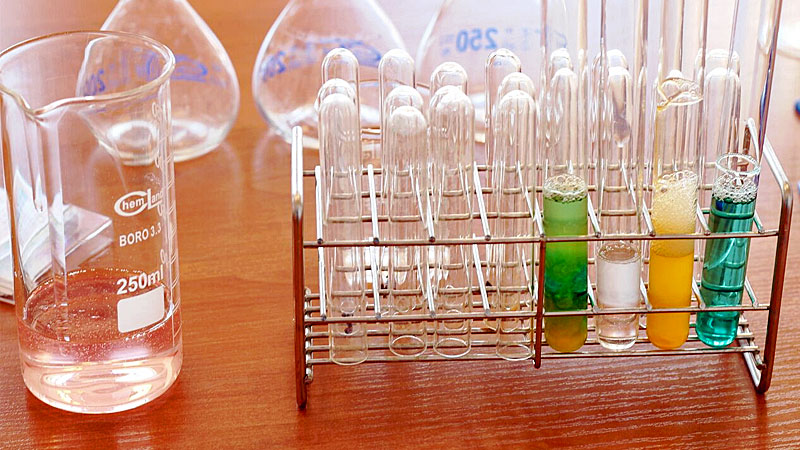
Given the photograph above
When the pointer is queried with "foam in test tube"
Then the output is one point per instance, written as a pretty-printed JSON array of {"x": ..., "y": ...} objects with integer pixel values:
[
  {"x": 340, "y": 161},
  {"x": 452, "y": 121},
  {"x": 515, "y": 135}
]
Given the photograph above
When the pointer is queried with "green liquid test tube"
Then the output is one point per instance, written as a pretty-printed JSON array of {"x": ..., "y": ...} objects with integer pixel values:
[{"x": 565, "y": 273}]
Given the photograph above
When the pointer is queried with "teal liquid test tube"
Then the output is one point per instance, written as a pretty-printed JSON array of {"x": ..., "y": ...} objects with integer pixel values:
[{"x": 733, "y": 205}]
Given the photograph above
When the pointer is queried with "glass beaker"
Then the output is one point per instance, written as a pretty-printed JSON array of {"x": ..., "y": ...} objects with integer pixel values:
[
  {"x": 85, "y": 122},
  {"x": 205, "y": 91},
  {"x": 286, "y": 74}
]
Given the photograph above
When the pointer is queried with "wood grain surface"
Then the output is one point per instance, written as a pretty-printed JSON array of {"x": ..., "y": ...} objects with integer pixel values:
[{"x": 237, "y": 385}]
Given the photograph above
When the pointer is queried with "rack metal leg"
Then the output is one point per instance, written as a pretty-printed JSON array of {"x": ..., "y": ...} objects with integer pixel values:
[
  {"x": 779, "y": 272},
  {"x": 298, "y": 282}
]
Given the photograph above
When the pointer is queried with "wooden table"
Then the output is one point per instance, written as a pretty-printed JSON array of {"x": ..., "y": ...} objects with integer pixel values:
[{"x": 237, "y": 384}]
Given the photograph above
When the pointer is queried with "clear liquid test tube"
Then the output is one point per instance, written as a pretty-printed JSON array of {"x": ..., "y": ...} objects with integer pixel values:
[
  {"x": 340, "y": 161},
  {"x": 621, "y": 98},
  {"x": 452, "y": 117},
  {"x": 406, "y": 153},
  {"x": 515, "y": 136},
  {"x": 565, "y": 190},
  {"x": 675, "y": 167}
]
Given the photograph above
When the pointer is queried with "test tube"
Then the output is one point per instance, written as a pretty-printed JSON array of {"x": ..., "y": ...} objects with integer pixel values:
[
  {"x": 621, "y": 98},
  {"x": 406, "y": 154},
  {"x": 500, "y": 63},
  {"x": 565, "y": 191},
  {"x": 395, "y": 69},
  {"x": 333, "y": 86},
  {"x": 452, "y": 121},
  {"x": 448, "y": 74},
  {"x": 399, "y": 96},
  {"x": 342, "y": 63},
  {"x": 340, "y": 161},
  {"x": 722, "y": 90},
  {"x": 518, "y": 81},
  {"x": 675, "y": 167},
  {"x": 515, "y": 137},
  {"x": 733, "y": 204}
]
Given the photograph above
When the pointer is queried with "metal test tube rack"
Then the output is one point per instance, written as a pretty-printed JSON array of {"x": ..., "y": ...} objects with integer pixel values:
[{"x": 311, "y": 321}]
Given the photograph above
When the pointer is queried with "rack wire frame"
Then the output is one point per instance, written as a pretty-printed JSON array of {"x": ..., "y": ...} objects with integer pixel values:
[{"x": 311, "y": 319}]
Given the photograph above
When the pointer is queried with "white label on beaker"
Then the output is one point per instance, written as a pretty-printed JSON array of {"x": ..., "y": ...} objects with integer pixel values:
[{"x": 141, "y": 310}]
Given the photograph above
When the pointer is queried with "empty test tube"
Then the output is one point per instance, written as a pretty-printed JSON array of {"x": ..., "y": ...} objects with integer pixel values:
[
  {"x": 448, "y": 74},
  {"x": 334, "y": 86},
  {"x": 395, "y": 69},
  {"x": 500, "y": 63},
  {"x": 340, "y": 161},
  {"x": 343, "y": 64},
  {"x": 406, "y": 155},
  {"x": 452, "y": 118},
  {"x": 398, "y": 97},
  {"x": 515, "y": 135},
  {"x": 518, "y": 81}
]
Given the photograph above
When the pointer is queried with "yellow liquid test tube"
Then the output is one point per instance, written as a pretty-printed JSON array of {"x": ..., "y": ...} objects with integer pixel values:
[{"x": 672, "y": 261}]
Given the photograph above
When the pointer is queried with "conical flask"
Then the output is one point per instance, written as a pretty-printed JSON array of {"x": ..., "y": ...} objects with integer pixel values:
[
  {"x": 466, "y": 31},
  {"x": 287, "y": 74},
  {"x": 205, "y": 91}
]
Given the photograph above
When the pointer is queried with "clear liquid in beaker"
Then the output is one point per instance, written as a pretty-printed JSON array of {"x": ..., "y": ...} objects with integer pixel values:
[{"x": 74, "y": 354}]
